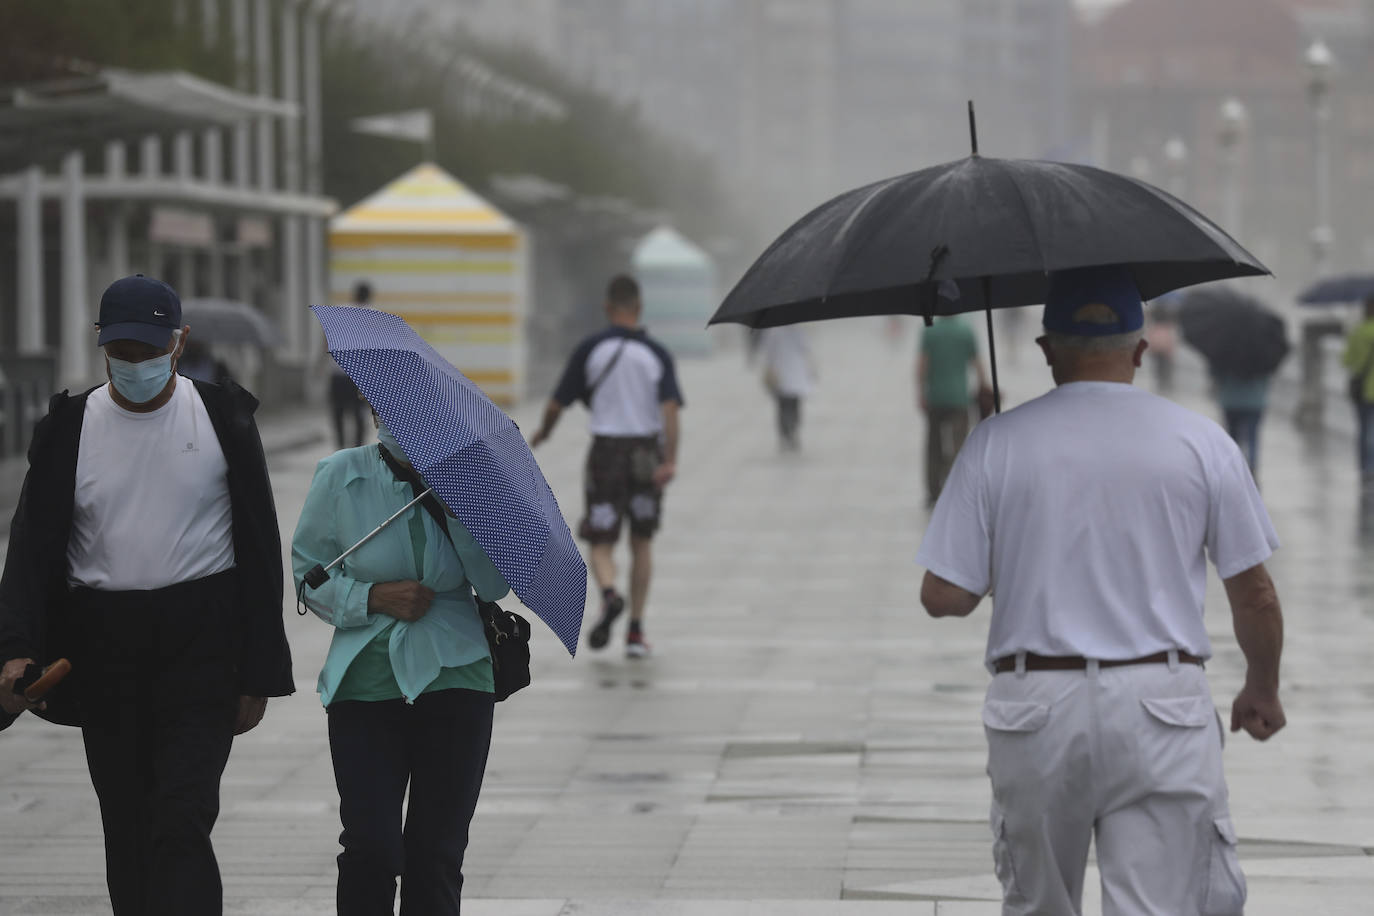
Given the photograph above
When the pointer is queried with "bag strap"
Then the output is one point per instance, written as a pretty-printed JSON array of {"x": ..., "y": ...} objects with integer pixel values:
[
  {"x": 601, "y": 377},
  {"x": 407, "y": 474}
]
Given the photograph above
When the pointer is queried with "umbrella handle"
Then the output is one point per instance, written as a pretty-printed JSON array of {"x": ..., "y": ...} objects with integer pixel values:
[{"x": 319, "y": 575}]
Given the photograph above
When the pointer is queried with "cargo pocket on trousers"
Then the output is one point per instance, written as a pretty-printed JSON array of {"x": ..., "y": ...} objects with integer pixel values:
[
  {"x": 1015, "y": 716},
  {"x": 1183, "y": 712},
  {"x": 1225, "y": 883},
  {"x": 1001, "y": 855}
]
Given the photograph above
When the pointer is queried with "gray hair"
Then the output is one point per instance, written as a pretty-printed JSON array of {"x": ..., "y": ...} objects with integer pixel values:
[{"x": 1073, "y": 344}]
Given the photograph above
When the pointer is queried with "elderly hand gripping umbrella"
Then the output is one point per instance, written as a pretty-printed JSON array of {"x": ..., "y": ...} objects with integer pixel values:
[
  {"x": 471, "y": 455},
  {"x": 973, "y": 234}
]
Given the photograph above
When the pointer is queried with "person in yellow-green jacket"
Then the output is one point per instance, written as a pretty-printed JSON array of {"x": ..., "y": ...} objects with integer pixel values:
[
  {"x": 1359, "y": 360},
  {"x": 407, "y": 684}
]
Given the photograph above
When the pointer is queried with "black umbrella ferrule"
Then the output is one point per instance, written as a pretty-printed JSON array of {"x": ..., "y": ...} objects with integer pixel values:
[{"x": 972, "y": 128}]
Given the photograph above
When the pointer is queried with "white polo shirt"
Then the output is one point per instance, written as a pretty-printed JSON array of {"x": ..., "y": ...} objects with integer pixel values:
[
  {"x": 152, "y": 496},
  {"x": 1089, "y": 514}
]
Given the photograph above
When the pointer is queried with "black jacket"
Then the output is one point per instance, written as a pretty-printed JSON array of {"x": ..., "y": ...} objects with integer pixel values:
[{"x": 34, "y": 619}]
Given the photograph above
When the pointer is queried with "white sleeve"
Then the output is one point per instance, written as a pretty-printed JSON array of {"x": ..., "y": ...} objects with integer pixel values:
[
  {"x": 1239, "y": 532},
  {"x": 957, "y": 546}
]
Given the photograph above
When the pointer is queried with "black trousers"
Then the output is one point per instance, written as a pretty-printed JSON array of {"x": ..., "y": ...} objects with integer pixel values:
[
  {"x": 344, "y": 404},
  {"x": 789, "y": 417},
  {"x": 438, "y": 747},
  {"x": 155, "y": 676}
]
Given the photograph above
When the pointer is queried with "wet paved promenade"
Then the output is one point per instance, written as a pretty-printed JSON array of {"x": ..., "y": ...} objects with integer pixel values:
[{"x": 805, "y": 740}]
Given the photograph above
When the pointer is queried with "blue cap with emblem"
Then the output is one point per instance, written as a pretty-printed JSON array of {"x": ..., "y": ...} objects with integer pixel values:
[
  {"x": 139, "y": 308},
  {"x": 1093, "y": 302}
]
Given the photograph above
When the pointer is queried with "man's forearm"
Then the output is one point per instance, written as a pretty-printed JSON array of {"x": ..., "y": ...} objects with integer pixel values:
[
  {"x": 1258, "y": 622},
  {"x": 552, "y": 411},
  {"x": 1259, "y": 631},
  {"x": 670, "y": 436}
]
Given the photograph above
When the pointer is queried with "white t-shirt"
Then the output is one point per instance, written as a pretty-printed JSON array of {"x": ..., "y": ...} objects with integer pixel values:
[
  {"x": 787, "y": 355},
  {"x": 1089, "y": 513},
  {"x": 152, "y": 496},
  {"x": 624, "y": 392}
]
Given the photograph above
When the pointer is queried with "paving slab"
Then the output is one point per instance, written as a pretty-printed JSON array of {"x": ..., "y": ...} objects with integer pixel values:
[{"x": 805, "y": 741}]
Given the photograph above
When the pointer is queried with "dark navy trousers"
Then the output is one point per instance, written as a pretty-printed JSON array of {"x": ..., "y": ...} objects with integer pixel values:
[{"x": 437, "y": 748}]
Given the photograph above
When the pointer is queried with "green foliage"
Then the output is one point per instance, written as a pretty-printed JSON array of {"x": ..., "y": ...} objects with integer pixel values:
[
  {"x": 601, "y": 148},
  {"x": 45, "y": 39}
]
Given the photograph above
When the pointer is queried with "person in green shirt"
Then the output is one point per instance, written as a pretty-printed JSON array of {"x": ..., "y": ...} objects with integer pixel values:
[
  {"x": 1359, "y": 359},
  {"x": 407, "y": 684},
  {"x": 948, "y": 350}
]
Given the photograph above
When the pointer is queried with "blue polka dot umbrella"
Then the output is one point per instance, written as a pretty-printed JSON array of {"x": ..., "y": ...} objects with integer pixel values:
[{"x": 471, "y": 453}]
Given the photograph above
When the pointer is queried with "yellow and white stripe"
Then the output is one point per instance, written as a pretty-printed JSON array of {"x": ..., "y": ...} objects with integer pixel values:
[{"x": 450, "y": 264}]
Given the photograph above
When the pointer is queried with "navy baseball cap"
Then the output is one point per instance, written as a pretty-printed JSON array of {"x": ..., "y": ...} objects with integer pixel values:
[
  {"x": 1093, "y": 302},
  {"x": 139, "y": 308}
]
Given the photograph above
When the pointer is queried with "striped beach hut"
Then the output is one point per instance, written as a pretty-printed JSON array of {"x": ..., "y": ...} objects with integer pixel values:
[{"x": 449, "y": 263}]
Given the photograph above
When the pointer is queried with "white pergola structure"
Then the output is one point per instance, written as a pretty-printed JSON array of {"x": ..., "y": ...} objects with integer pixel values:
[{"x": 223, "y": 196}]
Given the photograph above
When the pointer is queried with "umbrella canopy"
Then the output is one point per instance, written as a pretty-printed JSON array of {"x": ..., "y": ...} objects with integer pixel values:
[
  {"x": 471, "y": 453},
  {"x": 1336, "y": 290},
  {"x": 978, "y": 233},
  {"x": 228, "y": 322},
  {"x": 1234, "y": 331}
]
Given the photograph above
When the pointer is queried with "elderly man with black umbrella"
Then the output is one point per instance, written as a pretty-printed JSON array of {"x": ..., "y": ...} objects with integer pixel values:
[
  {"x": 1090, "y": 513},
  {"x": 145, "y": 548}
]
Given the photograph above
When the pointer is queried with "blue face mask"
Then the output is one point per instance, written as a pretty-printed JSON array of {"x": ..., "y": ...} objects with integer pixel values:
[
  {"x": 140, "y": 382},
  {"x": 389, "y": 443}
]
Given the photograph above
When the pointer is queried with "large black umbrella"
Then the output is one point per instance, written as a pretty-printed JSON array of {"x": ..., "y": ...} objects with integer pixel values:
[
  {"x": 1339, "y": 289},
  {"x": 974, "y": 234},
  {"x": 1234, "y": 331}
]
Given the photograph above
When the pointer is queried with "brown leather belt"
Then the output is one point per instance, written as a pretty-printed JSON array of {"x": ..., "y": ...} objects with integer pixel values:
[{"x": 1078, "y": 663}]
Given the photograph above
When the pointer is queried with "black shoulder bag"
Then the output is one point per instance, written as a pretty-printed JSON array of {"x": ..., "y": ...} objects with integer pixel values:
[{"x": 508, "y": 634}]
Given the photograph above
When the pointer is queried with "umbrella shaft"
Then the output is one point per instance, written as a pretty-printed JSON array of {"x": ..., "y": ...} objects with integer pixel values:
[{"x": 378, "y": 530}]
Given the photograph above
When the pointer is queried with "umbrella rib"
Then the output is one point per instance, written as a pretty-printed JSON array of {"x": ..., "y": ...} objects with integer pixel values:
[{"x": 1030, "y": 221}]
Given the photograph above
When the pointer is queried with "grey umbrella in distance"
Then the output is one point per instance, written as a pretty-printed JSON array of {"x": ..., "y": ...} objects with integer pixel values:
[{"x": 226, "y": 321}]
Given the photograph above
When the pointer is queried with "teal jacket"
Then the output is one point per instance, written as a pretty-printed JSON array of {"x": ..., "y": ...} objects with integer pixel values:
[{"x": 353, "y": 492}]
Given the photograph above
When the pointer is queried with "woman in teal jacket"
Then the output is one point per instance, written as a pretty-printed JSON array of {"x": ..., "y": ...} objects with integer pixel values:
[{"x": 407, "y": 684}]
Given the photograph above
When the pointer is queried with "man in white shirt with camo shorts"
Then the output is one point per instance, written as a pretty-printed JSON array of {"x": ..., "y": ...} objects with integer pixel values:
[
  {"x": 1089, "y": 514},
  {"x": 628, "y": 382}
]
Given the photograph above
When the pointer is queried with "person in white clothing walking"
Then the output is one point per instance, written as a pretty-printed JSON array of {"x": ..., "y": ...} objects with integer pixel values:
[
  {"x": 1089, "y": 514},
  {"x": 789, "y": 374}
]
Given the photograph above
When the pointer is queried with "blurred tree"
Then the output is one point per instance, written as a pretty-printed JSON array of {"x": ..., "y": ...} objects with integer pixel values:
[
  {"x": 597, "y": 148},
  {"x": 44, "y": 39}
]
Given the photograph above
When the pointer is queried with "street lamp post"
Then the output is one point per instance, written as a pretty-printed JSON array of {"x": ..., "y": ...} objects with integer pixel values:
[
  {"x": 1319, "y": 62},
  {"x": 1234, "y": 121},
  {"x": 1176, "y": 155}
]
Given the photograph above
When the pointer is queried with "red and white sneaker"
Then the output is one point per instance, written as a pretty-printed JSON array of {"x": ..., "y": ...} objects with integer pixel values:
[{"x": 636, "y": 646}]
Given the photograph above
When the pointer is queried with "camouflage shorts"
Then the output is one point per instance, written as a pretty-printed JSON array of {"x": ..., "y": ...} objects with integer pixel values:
[{"x": 618, "y": 482}]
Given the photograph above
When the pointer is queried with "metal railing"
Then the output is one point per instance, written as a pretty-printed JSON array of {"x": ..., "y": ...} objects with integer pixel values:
[{"x": 26, "y": 384}]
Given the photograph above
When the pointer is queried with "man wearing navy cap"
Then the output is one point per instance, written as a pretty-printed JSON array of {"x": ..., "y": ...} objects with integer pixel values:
[
  {"x": 1089, "y": 514},
  {"x": 145, "y": 549}
]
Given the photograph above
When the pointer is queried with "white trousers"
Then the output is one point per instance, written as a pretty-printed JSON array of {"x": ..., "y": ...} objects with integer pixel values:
[{"x": 1130, "y": 754}]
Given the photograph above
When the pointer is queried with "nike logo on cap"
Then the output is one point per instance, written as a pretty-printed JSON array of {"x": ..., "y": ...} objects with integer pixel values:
[{"x": 158, "y": 314}]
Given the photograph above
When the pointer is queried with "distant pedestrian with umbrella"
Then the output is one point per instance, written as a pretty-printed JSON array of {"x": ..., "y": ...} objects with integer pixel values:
[
  {"x": 413, "y": 671},
  {"x": 1089, "y": 514},
  {"x": 1359, "y": 361},
  {"x": 629, "y": 383},
  {"x": 1244, "y": 345}
]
